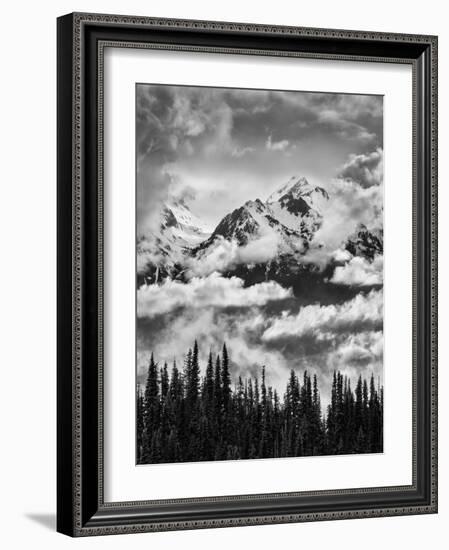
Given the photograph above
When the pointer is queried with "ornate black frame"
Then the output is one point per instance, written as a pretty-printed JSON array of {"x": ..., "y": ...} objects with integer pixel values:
[{"x": 81, "y": 509}]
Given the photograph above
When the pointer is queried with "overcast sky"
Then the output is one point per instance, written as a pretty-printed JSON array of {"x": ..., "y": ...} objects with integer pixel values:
[{"x": 222, "y": 146}]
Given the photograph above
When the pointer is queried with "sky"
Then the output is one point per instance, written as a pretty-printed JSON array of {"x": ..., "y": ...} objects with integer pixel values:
[
  {"x": 220, "y": 147},
  {"x": 217, "y": 148}
]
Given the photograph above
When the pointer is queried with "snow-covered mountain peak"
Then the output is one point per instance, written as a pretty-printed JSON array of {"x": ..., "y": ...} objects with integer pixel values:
[
  {"x": 298, "y": 188},
  {"x": 294, "y": 185},
  {"x": 179, "y": 212},
  {"x": 179, "y": 232},
  {"x": 242, "y": 223},
  {"x": 255, "y": 207}
]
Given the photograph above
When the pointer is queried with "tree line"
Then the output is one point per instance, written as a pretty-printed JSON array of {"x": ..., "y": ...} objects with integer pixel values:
[{"x": 186, "y": 417}]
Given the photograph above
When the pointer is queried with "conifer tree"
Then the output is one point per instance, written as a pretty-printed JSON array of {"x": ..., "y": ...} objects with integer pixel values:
[
  {"x": 209, "y": 388},
  {"x": 175, "y": 386},
  {"x": 193, "y": 377},
  {"x": 140, "y": 426},
  {"x": 151, "y": 411},
  {"x": 164, "y": 383},
  {"x": 225, "y": 379},
  {"x": 218, "y": 392}
]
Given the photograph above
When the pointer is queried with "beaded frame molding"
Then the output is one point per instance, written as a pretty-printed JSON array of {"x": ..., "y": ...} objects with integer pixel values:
[{"x": 81, "y": 510}]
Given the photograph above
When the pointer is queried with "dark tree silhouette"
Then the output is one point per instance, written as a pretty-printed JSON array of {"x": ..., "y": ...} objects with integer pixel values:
[
  {"x": 181, "y": 416},
  {"x": 151, "y": 410},
  {"x": 140, "y": 425}
]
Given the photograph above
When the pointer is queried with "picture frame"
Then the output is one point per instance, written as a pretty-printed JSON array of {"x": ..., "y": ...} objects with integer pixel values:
[{"x": 81, "y": 506}]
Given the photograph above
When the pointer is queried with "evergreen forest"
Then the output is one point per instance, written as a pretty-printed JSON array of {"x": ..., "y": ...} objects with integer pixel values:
[{"x": 183, "y": 416}]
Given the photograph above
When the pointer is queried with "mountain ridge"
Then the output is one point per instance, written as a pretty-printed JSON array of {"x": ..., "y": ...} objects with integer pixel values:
[{"x": 288, "y": 220}]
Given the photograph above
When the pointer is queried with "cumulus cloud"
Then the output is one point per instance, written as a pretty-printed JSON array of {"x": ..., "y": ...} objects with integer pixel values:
[
  {"x": 350, "y": 207},
  {"x": 356, "y": 200},
  {"x": 223, "y": 255},
  {"x": 354, "y": 355},
  {"x": 362, "y": 312},
  {"x": 358, "y": 349},
  {"x": 359, "y": 272},
  {"x": 342, "y": 255},
  {"x": 210, "y": 291},
  {"x": 365, "y": 169}
]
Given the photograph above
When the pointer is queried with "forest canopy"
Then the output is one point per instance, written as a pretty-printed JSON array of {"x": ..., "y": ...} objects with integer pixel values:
[{"x": 183, "y": 416}]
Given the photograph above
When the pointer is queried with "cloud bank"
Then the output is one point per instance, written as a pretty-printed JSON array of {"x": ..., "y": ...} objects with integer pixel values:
[
  {"x": 324, "y": 322},
  {"x": 211, "y": 291},
  {"x": 320, "y": 338}
]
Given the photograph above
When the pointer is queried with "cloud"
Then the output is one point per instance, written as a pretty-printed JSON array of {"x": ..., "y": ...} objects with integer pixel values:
[
  {"x": 211, "y": 327},
  {"x": 362, "y": 312},
  {"x": 365, "y": 169},
  {"x": 354, "y": 355},
  {"x": 276, "y": 145},
  {"x": 356, "y": 200},
  {"x": 345, "y": 128},
  {"x": 239, "y": 152},
  {"x": 342, "y": 255},
  {"x": 189, "y": 121},
  {"x": 211, "y": 291},
  {"x": 358, "y": 349},
  {"x": 223, "y": 255},
  {"x": 355, "y": 119},
  {"x": 350, "y": 206},
  {"x": 359, "y": 272},
  {"x": 174, "y": 126}
]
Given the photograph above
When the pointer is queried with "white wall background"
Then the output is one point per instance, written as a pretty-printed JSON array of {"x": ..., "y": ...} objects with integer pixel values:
[{"x": 27, "y": 289}]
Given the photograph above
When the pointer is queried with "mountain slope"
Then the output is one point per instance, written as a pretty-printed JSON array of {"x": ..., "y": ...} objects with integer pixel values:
[
  {"x": 291, "y": 215},
  {"x": 366, "y": 243},
  {"x": 160, "y": 254}
]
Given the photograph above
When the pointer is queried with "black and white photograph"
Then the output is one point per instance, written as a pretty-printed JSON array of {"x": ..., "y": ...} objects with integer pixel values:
[
  {"x": 237, "y": 343},
  {"x": 259, "y": 273}
]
